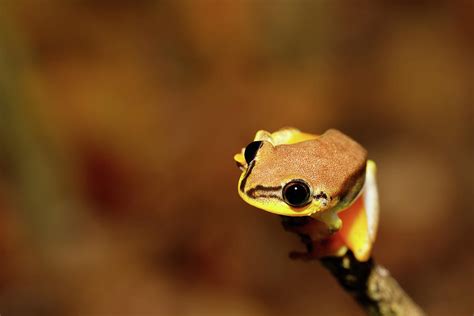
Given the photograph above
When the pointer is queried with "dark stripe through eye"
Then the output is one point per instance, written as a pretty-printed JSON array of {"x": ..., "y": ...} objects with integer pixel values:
[{"x": 262, "y": 191}]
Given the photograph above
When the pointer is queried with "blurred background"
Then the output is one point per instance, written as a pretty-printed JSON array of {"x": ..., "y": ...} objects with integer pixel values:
[{"x": 119, "y": 121}]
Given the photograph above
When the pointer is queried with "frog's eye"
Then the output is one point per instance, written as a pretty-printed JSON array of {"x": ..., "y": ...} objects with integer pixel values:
[
  {"x": 251, "y": 150},
  {"x": 296, "y": 193}
]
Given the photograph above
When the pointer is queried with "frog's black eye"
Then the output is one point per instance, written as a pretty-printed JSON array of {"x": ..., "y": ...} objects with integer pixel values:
[
  {"x": 251, "y": 150},
  {"x": 296, "y": 193}
]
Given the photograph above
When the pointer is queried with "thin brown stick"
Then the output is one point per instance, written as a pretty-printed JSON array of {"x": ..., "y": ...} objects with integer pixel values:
[{"x": 370, "y": 284}]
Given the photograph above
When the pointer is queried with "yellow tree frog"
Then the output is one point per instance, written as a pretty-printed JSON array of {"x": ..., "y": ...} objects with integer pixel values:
[{"x": 323, "y": 177}]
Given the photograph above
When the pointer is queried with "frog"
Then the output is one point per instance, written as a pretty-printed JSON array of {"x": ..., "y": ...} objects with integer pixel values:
[{"x": 324, "y": 182}]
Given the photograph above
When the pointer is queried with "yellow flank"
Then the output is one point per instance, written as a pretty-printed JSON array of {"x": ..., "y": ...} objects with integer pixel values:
[
  {"x": 371, "y": 201},
  {"x": 358, "y": 237}
]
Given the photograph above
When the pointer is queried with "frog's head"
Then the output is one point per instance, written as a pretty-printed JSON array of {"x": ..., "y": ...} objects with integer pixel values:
[{"x": 297, "y": 174}]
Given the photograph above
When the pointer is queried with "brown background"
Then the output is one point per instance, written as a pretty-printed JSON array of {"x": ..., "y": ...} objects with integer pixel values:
[{"x": 119, "y": 120}]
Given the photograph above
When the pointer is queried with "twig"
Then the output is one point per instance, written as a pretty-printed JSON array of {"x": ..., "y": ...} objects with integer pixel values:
[{"x": 370, "y": 284}]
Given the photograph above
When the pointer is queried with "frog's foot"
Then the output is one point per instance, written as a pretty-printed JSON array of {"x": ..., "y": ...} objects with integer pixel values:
[
  {"x": 322, "y": 249},
  {"x": 306, "y": 225},
  {"x": 319, "y": 240}
]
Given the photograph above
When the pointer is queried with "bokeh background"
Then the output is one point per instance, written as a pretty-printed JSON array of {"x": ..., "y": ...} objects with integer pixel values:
[{"x": 119, "y": 121}]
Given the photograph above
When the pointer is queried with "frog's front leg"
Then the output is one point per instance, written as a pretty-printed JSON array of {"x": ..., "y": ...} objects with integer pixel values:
[{"x": 319, "y": 239}]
